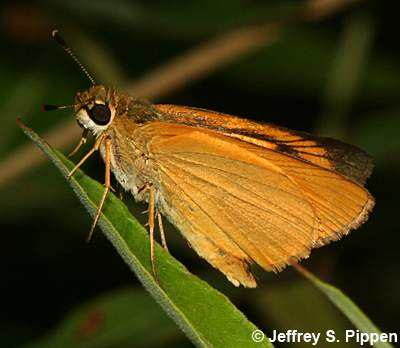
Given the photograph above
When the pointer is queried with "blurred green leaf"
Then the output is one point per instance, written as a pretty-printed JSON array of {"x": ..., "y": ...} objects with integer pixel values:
[
  {"x": 28, "y": 89},
  {"x": 379, "y": 135},
  {"x": 345, "y": 305},
  {"x": 113, "y": 320},
  {"x": 302, "y": 297},
  {"x": 351, "y": 57},
  {"x": 206, "y": 316}
]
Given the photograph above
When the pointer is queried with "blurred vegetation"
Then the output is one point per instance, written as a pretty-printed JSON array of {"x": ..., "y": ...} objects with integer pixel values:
[{"x": 338, "y": 76}]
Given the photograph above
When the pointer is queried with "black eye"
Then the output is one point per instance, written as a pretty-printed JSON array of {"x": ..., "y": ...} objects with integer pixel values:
[{"x": 100, "y": 114}]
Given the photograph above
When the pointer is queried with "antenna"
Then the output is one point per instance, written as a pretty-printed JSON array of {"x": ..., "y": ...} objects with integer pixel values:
[
  {"x": 50, "y": 107},
  {"x": 56, "y": 36}
]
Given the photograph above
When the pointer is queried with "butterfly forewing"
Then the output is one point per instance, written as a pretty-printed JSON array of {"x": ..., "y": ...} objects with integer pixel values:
[{"x": 327, "y": 153}]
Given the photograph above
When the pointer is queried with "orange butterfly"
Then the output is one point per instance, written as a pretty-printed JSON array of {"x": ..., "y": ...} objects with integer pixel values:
[{"x": 239, "y": 191}]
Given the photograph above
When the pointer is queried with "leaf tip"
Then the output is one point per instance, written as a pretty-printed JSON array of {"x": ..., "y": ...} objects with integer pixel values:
[
  {"x": 19, "y": 122},
  {"x": 22, "y": 125}
]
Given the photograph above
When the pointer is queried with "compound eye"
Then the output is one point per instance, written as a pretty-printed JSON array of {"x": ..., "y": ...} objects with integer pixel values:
[{"x": 100, "y": 114}]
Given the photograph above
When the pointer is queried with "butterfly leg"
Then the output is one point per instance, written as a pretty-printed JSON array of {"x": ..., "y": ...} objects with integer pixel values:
[
  {"x": 95, "y": 148},
  {"x": 161, "y": 227},
  {"x": 82, "y": 141},
  {"x": 150, "y": 222},
  {"x": 107, "y": 185},
  {"x": 151, "y": 229}
]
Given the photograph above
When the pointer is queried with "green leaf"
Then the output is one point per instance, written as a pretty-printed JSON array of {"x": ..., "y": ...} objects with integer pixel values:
[
  {"x": 382, "y": 145},
  {"x": 301, "y": 296},
  {"x": 345, "y": 305},
  {"x": 205, "y": 315},
  {"x": 113, "y": 320}
]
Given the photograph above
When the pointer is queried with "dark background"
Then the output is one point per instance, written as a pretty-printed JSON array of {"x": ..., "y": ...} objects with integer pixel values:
[{"x": 337, "y": 76}]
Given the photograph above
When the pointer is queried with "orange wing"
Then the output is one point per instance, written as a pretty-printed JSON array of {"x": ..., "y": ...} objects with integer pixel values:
[{"x": 236, "y": 203}]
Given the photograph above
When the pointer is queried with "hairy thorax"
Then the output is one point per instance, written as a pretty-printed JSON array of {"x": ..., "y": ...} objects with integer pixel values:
[{"x": 130, "y": 159}]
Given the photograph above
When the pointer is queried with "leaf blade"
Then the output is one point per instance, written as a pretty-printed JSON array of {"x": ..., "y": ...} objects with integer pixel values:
[{"x": 345, "y": 305}]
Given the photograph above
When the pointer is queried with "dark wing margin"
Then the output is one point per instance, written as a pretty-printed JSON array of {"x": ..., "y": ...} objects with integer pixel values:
[{"x": 346, "y": 159}]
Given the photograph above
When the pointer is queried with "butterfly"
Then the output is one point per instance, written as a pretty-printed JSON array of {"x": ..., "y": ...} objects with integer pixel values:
[{"x": 239, "y": 191}]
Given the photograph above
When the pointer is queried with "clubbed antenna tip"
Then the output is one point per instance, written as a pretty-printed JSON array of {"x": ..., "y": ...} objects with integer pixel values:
[{"x": 57, "y": 37}]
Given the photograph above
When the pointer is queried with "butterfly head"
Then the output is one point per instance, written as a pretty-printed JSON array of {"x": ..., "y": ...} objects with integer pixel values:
[{"x": 95, "y": 108}]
